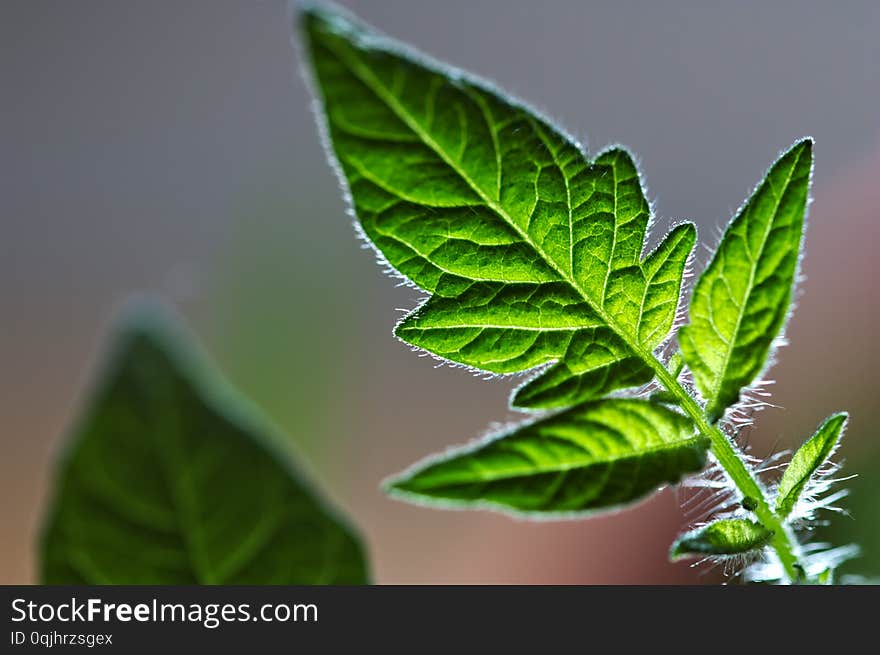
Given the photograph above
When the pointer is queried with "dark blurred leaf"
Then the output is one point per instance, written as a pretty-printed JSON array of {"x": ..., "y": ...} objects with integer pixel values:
[{"x": 170, "y": 479}]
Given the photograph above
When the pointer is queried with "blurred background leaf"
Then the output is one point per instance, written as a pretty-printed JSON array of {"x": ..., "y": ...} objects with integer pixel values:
[{"x": 170, "y": 477}]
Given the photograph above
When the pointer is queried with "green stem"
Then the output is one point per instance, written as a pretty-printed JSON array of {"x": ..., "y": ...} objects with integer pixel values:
[{"x": 731, "y": 460}]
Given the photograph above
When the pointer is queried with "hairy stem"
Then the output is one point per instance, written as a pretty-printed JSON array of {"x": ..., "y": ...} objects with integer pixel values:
[{"x": 731, "y": 460}]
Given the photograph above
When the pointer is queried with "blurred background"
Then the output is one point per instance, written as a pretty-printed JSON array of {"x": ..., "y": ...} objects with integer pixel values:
[{"x": 169, "y": 147}]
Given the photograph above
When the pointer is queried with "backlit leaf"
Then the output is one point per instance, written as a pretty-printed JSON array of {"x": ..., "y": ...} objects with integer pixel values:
[
  {"x": 807, "y": 460},
  {"x": 534, "y": 258},
  {"x": 597, "y": 455},
  {"x": 741, "y": 301},
  {"x": 532, "y": 252}
]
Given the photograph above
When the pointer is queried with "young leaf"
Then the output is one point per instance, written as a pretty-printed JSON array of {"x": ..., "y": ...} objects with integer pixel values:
[
  {"x": 597, "y": 455},
  {"x": 532, "y": 253},
  {"x": 806, "y": 462},
  {"x": 169, "y": 479},
  {"x": 723, "y": 537},
  {"x": 741, "y": 300}
]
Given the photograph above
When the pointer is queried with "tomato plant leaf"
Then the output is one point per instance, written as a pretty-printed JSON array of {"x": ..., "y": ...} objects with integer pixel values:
[
  {"x": 722, "y": 537},
  {"x": 807, "y": 461},
  {"x": 532, "y": 254},
  {"x": 170, "y": 479},
  {"x": 534, "y": 259},
  {"x": 531, "y": 251},
  {"x": 741, "y": 301},
  {"x": 596, "y": 455}
]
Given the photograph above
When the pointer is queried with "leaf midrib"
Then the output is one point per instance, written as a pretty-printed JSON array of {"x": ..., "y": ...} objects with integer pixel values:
[
  {"x": 181, "y": 493},
  {"x": 649, "y": 280},
  {"x": 492, "y": 326},
  {"x": 383, "y": 94},
  {"x": 508, "y": 474},
  {"x": 716, "y": 388},
  {"x": 613, "y": 240}
]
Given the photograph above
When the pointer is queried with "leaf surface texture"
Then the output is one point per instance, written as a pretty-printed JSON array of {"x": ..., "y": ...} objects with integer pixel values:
[
  {"x": 532, "y": 252},
  {"x": 742, "y": 299},
  {"x": 722, "y": 537},
  {"x": 807, "y": 461},
  {"x": 597, "y": 455}
]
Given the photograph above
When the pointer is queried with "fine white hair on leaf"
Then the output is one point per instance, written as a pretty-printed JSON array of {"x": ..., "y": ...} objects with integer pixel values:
[
  {"x": 767, "y": 568},
  {"x": 680, "y": 316},
  {"x": 817, "y": 495},
  {"x": 734, "y": 565},
  {"x": 712, "y": 492},
  {"x": 773, "y": 462}
]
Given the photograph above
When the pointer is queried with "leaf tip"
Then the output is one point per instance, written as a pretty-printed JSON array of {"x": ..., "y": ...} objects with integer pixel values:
[
  {"x": 842, "y": 416},
  {"x": 803, "y": 147},
  {"x": 312, "y": 12},
  {"x": 146, "y": 320},
  {"x": 393, "y": 484},
  {"x": 322, "y": 17},
  {"x": 689, "y": 228},
  {"x": 837, "y": 424},
  {"x": 404, "y": 486},
  {"x": 806, "y": 142},
  {"x": 687, "y": 232},
  {"x": 526, "y": 396},
  {"x": 677, "y": 551}
]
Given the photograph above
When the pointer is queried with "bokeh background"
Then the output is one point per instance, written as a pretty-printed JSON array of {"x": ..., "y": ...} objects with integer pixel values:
[{"x": 169, "y": 146}]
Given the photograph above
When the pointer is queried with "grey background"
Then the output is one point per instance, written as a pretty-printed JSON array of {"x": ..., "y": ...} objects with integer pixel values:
[{"x": 169, "y": 146}]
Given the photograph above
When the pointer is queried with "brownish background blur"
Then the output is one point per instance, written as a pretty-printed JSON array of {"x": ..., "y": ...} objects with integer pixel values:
[{"x": 168, "y": 146}]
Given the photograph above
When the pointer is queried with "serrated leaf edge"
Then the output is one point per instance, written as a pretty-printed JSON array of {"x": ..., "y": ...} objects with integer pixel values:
[
  {"x": 748, "y": 392},
  {"x": 454, "y": 451}
]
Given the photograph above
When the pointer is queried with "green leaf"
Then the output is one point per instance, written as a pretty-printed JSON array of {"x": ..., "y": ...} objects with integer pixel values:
[
  {"x": 170, "y": 479},
  {"x": 807, "y": 460},
  {"x": 597, "y": 455},
  {"x": 741, "y": 301},
  {"x": 533, "y": 256},
  {"x": 723, "y": 537},
  {"x": 532, "y": 252}
]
